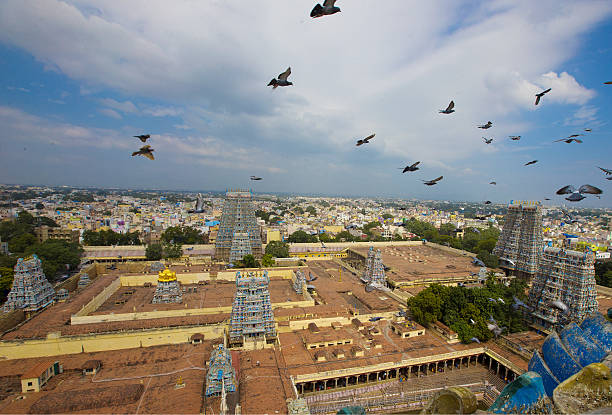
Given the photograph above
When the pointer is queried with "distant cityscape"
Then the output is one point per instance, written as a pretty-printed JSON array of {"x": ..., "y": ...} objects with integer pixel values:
[{"x": 159, "y": 301}]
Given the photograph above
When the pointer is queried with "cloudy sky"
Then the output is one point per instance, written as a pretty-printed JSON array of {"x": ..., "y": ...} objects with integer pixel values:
[{"x": 79, "y": 78}]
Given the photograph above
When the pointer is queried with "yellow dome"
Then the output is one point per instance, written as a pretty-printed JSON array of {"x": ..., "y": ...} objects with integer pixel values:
[{"x": 166, "y": 275}]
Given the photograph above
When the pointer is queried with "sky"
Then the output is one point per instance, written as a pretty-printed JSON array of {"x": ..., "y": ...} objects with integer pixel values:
[{"x": 79, "y": 78}]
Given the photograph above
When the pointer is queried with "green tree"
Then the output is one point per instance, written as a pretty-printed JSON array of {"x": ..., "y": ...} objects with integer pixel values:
[
  {"x": 39, "y": 206},
  {"x": 154, "y": 252},
  {"x": 182, "y": 235},
  {"x": 21, "y": 242},
  {"x": 311, "y": 210},
  {"x": 324, "y": 237},
  {"x": 387, "y": 216},
  {"x": 298, "y": 210},
  {"x": 446, "y": 229},
  {"x": 57, "y": 256},
  {"x": 301, "y": 237},
  {"x": 6, "y": 281},
  {"x": 344, "y": 236},
  {"x": 267, "y": 260},
  {"x": 172, "y": 250},
  {"x": 43, "y": 220},
  {"x": 249, "y": 261},
  {"x": 278, "y": 249}
]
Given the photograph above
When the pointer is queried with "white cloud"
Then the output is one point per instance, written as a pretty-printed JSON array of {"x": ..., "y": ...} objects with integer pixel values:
[
  {"x": 110, "y": 113},
  {"x": 125, "y": 107},
  {"x": 367, "y": 69}
]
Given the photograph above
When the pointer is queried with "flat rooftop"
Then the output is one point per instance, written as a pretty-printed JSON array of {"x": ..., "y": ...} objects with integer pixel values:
[
  {"x": 156, "y": 368},
  {"x": 416, "y": 262}
]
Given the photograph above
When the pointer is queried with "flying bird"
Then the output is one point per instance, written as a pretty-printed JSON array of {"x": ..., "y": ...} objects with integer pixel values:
[
  {"x": 412, "y": 167},
  {"x": 432, "y": 182},
  {"x": 472, "y": 321},
  {"x": 575, "y": 135},
  {"x": 501, "y": 300},
  {"x": 281, "y": 80},
  {"x": 540, "y": 95},
  {"x": 487, "y": 141},
  {"x": 486, "y": 126},
  {"x": 531, "y": 162},
  {"x": 488, "y": 202},
  {"x": 588, "y": 130},
  {"x": 143, "y": 137},
  {"x": 474, "y": 339},
  {"x": 325, "y": 10},
  {"x": 493, "y": 183},
  {"x": 560, "y": 305},
  {"x": 365, "y": 140},
  {"x": 256, "y": 178},
  {"x": 569, "y": 218},
  {"x": 546, "y": 198},
  {"x": 606, "y": 171},
  {"x": 449, "y": 109},
  {"x": 608, "y": 83},
  {"x": 569, "y": 140},
  {"x": 515, "y": 137},
  {"x": 577, "y": 195},
  {"x": 146, "y": 151}
]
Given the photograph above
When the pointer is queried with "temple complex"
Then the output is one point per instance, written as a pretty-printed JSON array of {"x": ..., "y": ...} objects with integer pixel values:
[
  {"x": 30, "y": 291},
  {"x": 375, "y": 269},
  {"x": 168, "y": 288}
]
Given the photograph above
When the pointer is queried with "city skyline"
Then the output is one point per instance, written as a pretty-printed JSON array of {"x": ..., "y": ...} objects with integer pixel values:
[{"x": 194, "y": 77}]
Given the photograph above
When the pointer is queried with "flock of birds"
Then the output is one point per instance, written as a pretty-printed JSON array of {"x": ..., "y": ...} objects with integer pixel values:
[{"x": 282, "y": 80}]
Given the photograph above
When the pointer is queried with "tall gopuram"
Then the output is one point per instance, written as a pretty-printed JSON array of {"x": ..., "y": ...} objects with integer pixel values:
[
  {"x": 519, "y": 246},
  {"x": 563, "y": 290},
  {"x": 168, "y": 289},
  {"x": 252, "y": 317},
  {"x": 30, "y": 291},
  {"x": 238, "y": 230},
  {"x": 375, "y": 269}
]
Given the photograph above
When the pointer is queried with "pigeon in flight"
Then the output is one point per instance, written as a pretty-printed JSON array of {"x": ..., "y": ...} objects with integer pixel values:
[
  {"x": 515, "y": 137},
  {"x": 486, "y": 126},
  {"x": 493, "y": 183},
  {"x": 432, "y": 182},
  {"x": 588, "y": 130},
  {"x": 325, "y": 10},
  {"x": 547, "y": 198},
  {"x": 410, "y": 168},
  {"x": 143, "y": 137},
  {"x": 474, "y": 339},
  {"x": 365, "y": 140},
  {"x": 449, "y": 109},
  {"x": 568, "y": 140},
  {"x": 577, "y": 196},
  {"x": 606, "y": 171},
  {"x": 488, "y": 202},
  {"x": 575, "y": 135},
  {"x": 560, "y": 305},
  {"x": 568, "y": 218},
  {"x": 256, "y": 178},
  {"x": 540, "y": 95},
  {"x": 608, "y": 83},
  {"x": 531, "y": 162},
  {"x": 487, "y": 140},
  {"x": 146, "y": 151},
  {"x": 281, "y": 80}
]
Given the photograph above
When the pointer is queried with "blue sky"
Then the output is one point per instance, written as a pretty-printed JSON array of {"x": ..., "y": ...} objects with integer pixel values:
[{"x": 79, "y": 78}]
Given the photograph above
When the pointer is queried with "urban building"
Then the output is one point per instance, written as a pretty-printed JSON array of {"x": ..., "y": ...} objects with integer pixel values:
[
  {"x": 520, "y": 243},
  {"x": 563, "y": 290},
  {"x": 30, "y": 290},
  {"x": 252, "y": 317},
  {"x": 168, "y": 289},
  {"x": 237, "y": 219},
  {"x": 39, "y": 375},
  {"x": 45, "y": 232},
  {"x": 221, "y": 374}
]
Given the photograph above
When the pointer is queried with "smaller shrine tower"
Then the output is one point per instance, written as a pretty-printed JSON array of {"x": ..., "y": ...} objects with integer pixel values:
[
  {"x": 30, "y": 291},
  {"x": 375, "y": 269},
  {"x": 221, "y": 374},
  {"x": 168, "y": 289}
]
